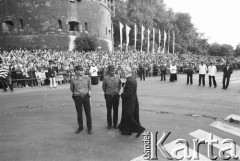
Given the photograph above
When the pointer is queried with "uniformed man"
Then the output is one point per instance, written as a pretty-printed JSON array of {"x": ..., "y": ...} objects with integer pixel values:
[
  {"x": 80, "y": 86},
  {"x": 189, "y": 71},
  {"x": 111, "y": 87}
]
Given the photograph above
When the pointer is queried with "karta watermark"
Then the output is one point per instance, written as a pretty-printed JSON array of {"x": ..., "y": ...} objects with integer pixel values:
[{"x": 152, "y": 146}]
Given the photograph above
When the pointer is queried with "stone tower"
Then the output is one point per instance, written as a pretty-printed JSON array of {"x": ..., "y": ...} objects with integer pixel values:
[{"x": 54, "y": 23}]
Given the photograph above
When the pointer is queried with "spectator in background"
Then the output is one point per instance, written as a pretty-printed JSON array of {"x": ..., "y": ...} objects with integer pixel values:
[
  {"x": 173, "y": 72},
  {"x": 52, "y": 75},
  {"x": 211, "y": 74},
  {"x": 189, "y": 71},
  {"x": 4, "y": 77},
  {"x": 94, "y": 74},
  {"x": 227, "y": 71},
  {"x": 202, "y": 72}
]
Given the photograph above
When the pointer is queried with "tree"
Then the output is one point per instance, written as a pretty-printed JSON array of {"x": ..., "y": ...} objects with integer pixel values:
[
  {"x": 86, "y": 42},
  {"x": 237, "y": 50},
  {"x": 152, "y": 13},
  {"x": 221, "y": 50}
]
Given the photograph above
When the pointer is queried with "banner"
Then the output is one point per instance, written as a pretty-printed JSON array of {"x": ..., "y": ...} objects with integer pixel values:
[
  {"x": 168, "y": 41},
  {"x": 159, "y": 41},
  {"x": 135, "y": 36},
  {"x": 127, "y": 36},
  {"x": 164, "y": 40},
  {"x": 173, "y": 42},
  {"x": 142, "y": 37},
  {"x": 121, "y": 39},
  {"x": 153, "y": 50},
  {"x": 148, "y": 43}
]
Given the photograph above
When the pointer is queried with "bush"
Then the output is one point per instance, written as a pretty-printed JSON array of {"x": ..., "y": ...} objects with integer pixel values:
[{"x": 86, "y": 42}]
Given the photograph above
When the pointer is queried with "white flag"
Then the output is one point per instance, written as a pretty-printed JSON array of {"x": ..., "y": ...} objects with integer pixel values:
[
  {"x": 153, "y": 41},
  {"x": 127, "y": 36},
  {"x": 168, "y": 41},
  {"x": 173, "y": 42},
  {"x": 159, "y": 41},
  {"x": 135, "y": 36},
  {"x": 142, "y": 37},
  {"x": 148, "y": 41},
  {"x": 164, "y": 40},
  {"x": 121, "y": 39}
]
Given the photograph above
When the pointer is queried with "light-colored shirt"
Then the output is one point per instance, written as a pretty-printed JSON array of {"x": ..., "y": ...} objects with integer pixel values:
[
  {"x": 80, "y": 85},
  {"x": 111, "y": 85},
  {"x": 173, "y": 69},
  {"x": 202, "y": 69},
  {"x": 93, "y": 71},
  {"x": 212, "y": 70}
]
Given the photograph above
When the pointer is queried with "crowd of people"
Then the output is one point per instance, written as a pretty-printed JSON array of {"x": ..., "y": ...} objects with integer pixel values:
[{"x": 31, "y": 67}]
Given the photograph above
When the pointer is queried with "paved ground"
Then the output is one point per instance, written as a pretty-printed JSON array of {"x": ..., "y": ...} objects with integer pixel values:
[{"x": 38, "y": 124}]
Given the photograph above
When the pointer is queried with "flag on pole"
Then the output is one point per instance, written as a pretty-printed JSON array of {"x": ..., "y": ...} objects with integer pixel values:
[
  {"x": 127, "y": 36},
  {"x": 121, "y": 39},
  {"x": 164, "y": 40},
  {"x": 148, "y": 43},
  {"x": 135, "y": 36},
  {"x": 173, "y": 42},
  {"x": 142, "y": 37},
  {"x": 168, "y": 41},
  {"x": 159, "y": 41},
  {"x": 153, "y": 40}
]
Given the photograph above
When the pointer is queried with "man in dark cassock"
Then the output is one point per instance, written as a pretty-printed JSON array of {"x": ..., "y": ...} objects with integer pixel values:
[{"x": 130, "y": 107}]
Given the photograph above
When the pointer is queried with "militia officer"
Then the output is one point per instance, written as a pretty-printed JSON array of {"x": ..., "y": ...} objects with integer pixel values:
[
  {"x": 163, "y": 70},
  {"x": 111, "y": 87},
  {"x": 80, "y": 86},
  {"x": 189, "y": 72}
]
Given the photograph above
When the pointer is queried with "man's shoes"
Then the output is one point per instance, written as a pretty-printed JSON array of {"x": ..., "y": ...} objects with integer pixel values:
[
  {"x": 138, "y": 134},
  {"x": 90, "y": 132},
  {"x": 215, "y": 86},
  {"x": 115, "y": 127},
  {"x": 210, "y": 86},
  {"x": 109, "y": 127},
  {"x": 223, "y": 88},
  {"x": 78, "y": 130}
]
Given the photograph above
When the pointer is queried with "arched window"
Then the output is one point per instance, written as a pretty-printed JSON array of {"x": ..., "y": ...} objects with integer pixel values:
[
  {"x": 74, "y": 26},
  {"x": 60, "y": 24},
  {"x": 86, "y": 26},
  {"x": 21, "y": 24}
]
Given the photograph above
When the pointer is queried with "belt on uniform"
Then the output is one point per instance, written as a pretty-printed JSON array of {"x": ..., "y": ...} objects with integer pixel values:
[
  {"x": 81, "y": 95},
  {"x": 112, "y": 95}
]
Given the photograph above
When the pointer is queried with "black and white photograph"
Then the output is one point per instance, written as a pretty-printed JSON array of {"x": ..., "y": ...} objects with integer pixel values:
[{"x": 119, "y": 80}]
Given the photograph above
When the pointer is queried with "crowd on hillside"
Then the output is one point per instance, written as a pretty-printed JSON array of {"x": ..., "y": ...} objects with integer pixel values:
[{"x": 25, "y": 65}]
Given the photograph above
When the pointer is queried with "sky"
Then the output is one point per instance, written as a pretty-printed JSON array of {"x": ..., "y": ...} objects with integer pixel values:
[{"x": 219, "y": 20}]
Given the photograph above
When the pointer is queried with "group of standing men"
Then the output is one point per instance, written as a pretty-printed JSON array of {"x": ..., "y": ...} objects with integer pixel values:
[
  {"x": 80, "y": 86},
  {"x": 211, "y": 70}
]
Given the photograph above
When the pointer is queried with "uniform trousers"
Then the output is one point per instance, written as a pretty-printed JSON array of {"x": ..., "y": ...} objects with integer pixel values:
[
  {"x": 112, "y": 102},
  {"x": 85, "y": 102}
]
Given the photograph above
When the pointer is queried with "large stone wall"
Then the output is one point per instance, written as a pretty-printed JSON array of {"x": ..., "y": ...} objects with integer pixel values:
[{"x": 45, "y": 23}]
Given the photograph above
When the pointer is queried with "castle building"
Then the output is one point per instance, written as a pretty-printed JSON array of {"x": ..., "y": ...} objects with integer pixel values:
[{"x": 54, "y": 24}]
